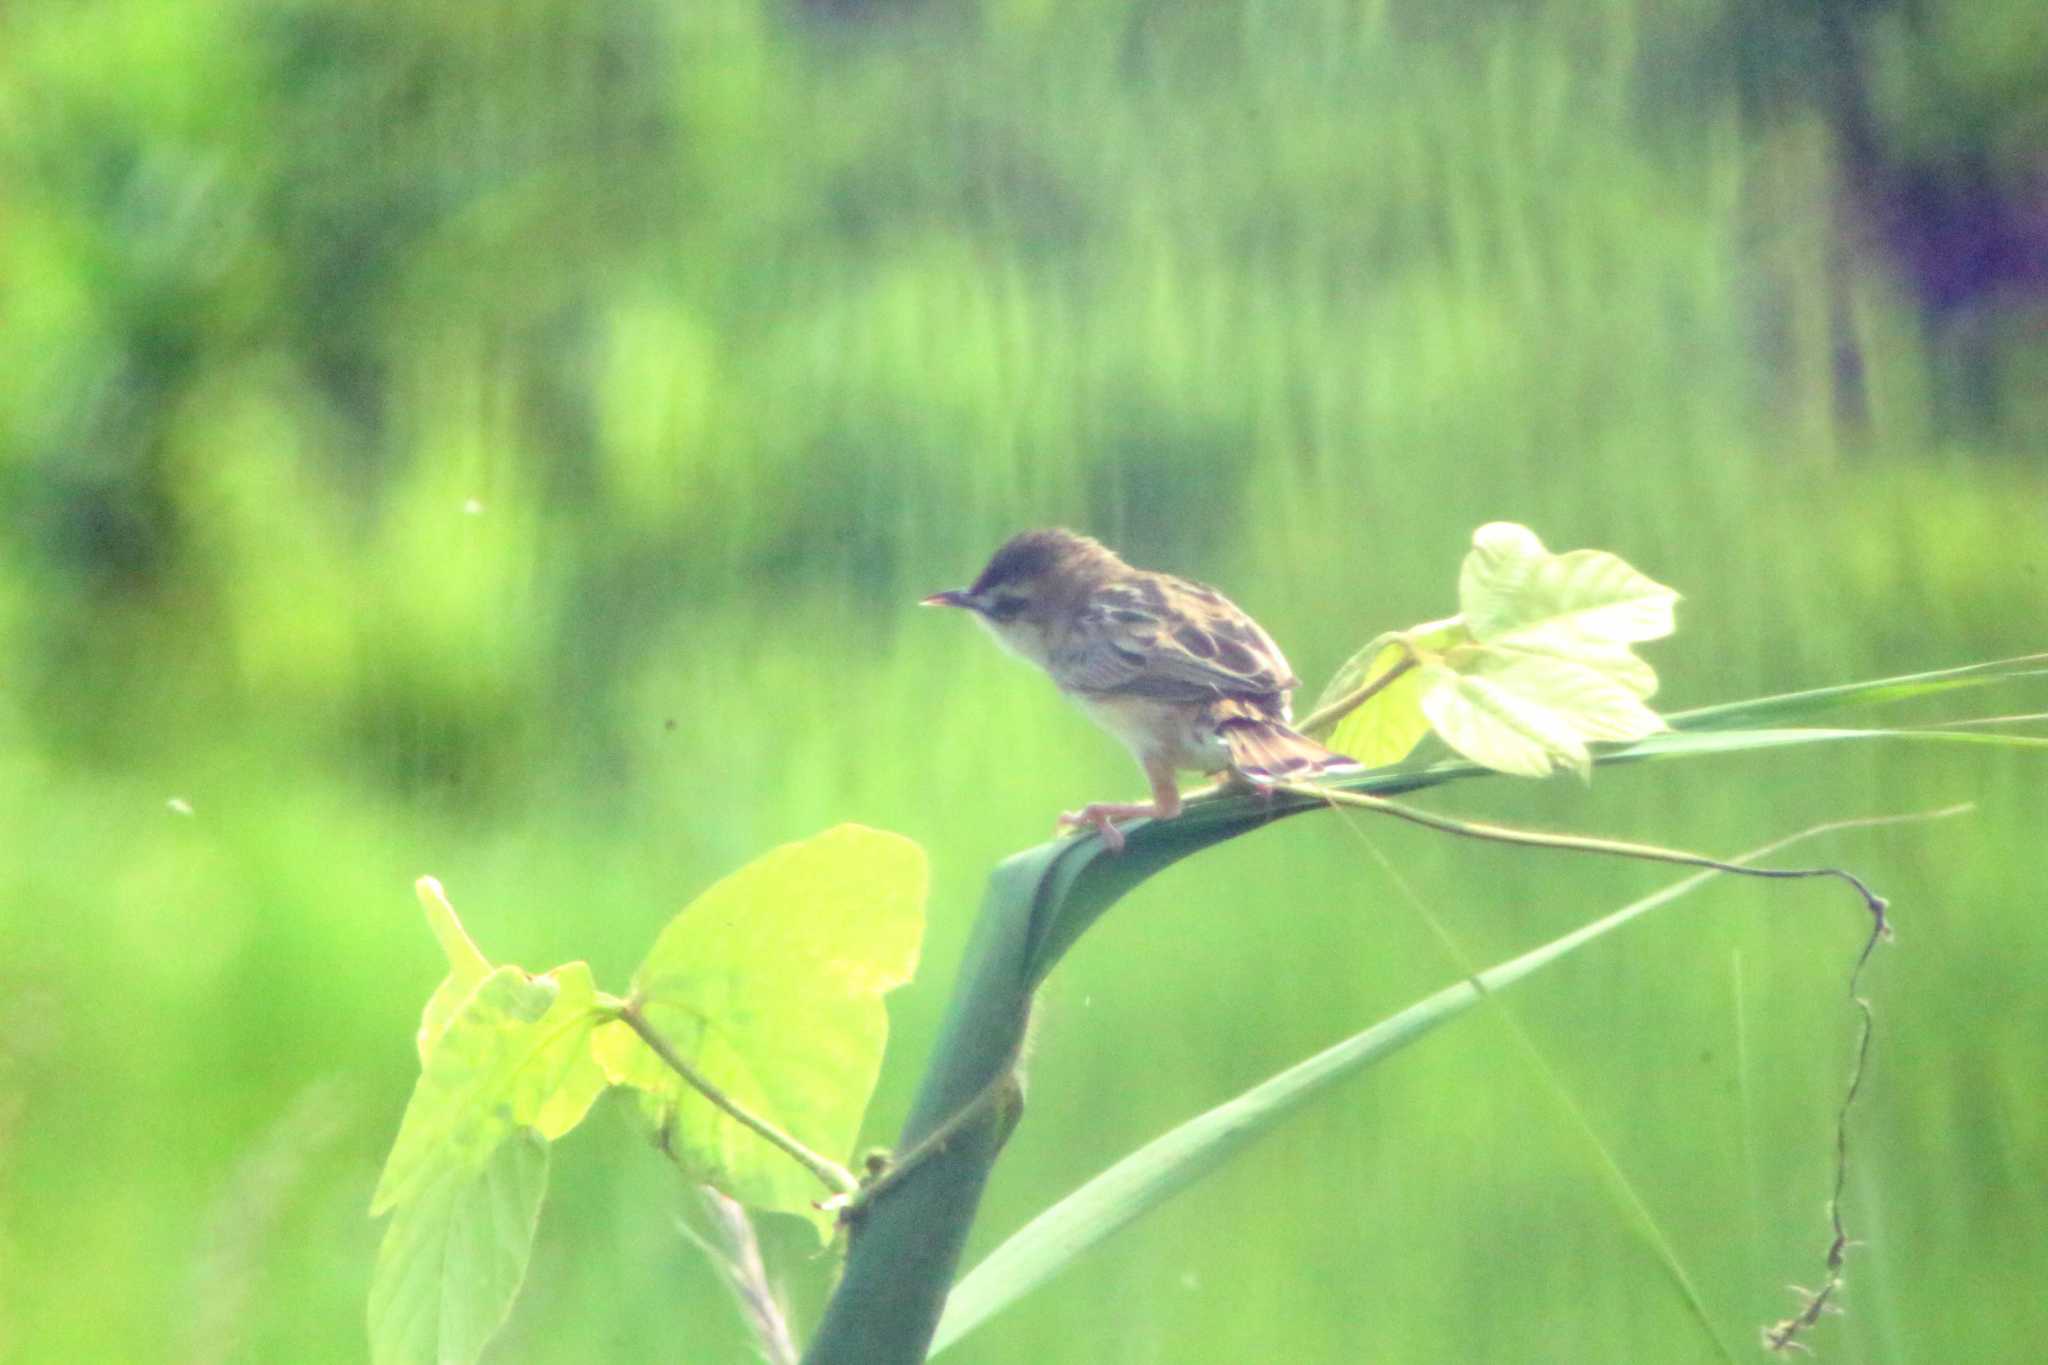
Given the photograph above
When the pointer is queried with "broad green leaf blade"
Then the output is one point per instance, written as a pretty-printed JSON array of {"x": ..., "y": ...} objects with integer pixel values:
[
  {"x": 1512, "y": 590},
  {"x": 771, "y": 984},
  {"x": 1797, "y": 706},
  {"x": 454, "y": 1256},
  {"x": 1693, "y": 743},
  {"x": 467, "y": 966},
  {"x": 1162, "y": 1168},
  {"x": 1669, "y": 745},
  {"x": 515, "y": 1055}
]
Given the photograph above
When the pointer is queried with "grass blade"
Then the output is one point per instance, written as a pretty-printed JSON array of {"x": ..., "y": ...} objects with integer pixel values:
[
  {"x": 1693, "y": 744},
  {"x": 1796, "y": 706}
]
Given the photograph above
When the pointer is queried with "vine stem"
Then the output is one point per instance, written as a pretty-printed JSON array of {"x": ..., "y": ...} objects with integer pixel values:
[
  {"x": 1345, "y": 705},
  {"x": 1784, "y": 1335},
  {"x": 835, "y": 1176},
  {"x": 734, "y": 1250},
  {"x": 1578, "y": 843},
  {"x": 1002, "y": 1094}
]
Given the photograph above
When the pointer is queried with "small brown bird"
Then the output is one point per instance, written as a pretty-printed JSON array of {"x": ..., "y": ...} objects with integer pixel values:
[{"x": 1172, "y": 668}]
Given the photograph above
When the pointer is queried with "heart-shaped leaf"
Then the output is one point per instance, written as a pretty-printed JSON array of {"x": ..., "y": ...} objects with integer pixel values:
[
  {"x": 770, "y": 984},
  {"x": 1514, "y": 592},
  {"x": 1537, "y": 665},
  {"x": 515, "y": 1055}
]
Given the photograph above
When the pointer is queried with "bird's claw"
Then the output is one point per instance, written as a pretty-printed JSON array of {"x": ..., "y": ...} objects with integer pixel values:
[{"x": 1100, "y": 817}]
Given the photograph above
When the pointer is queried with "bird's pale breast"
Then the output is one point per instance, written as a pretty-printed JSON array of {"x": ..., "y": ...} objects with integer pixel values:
[{"x": 1152, "y": 729}]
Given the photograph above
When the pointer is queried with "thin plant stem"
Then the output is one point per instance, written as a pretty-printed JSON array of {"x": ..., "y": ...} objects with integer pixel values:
[
  {"x": 835, "y": 1176},
  {"x": 1345, "y": 705},
  {"x": 1001, "y": 1090},
  {"x": 1784, "y": 1336},
  {"x": 734, "y": 1250},
  {"x": 1579, "y": 843},
  {"x": 1780, "y": 1336}
]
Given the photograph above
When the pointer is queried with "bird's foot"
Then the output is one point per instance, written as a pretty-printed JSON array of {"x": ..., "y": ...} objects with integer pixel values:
[{"x": 1101, "y": 815}]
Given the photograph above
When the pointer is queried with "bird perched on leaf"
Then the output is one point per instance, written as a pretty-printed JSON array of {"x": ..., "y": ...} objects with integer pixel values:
[{"x": 1172, "y": 668}]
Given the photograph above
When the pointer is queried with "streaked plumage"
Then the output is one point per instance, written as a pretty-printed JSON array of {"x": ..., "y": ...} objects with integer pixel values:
[{"x": 1171, "y": 667}]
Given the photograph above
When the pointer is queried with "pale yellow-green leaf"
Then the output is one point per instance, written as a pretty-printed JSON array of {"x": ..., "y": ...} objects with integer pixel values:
[
  {"x": 1379, "y": 654},
  {"x": 1536, "y": 666},
  {"x": 1386, "y": 727},
  {"x": 1388, "y": 724},
  {"x": 467, "y": 966},
  {"x": 771, "y": 984},
  {"x": 1589, "y": 702},
  {"x": 516, "y": 1054},
  {"x": 1612, "y": 659},
  {"x": 454, "y": 1256},
  {"x": 559, "y": 1089},
  {"x": 1492, "y": 725},
  {"x": 625, "y": 1059},
  {"x": 1514, "y": 591}
]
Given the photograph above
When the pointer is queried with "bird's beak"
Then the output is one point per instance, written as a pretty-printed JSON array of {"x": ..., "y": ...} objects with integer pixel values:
[{"x": 951, "y": 597}]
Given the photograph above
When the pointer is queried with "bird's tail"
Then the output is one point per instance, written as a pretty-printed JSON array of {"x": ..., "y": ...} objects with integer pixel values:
[{"x": 1264, "y": 751}]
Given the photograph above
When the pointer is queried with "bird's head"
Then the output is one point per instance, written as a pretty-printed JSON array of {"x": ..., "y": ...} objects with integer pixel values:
[{"x": 1036, "y": 581}]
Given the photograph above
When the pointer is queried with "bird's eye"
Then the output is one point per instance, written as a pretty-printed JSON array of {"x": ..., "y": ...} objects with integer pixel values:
[{"x": 1006, "y": 608}]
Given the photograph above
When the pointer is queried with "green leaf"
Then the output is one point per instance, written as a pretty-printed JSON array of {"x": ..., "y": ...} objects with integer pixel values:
[
  {"x": 1387, "y": 726},
  {"x": 1529, "y": 713},
  {"x": 771, "y": 984},
  {"x": 1496, "y": 727},
  {"x": 1794, "y": 706},
  {"x": 467, "y": 966},
  {"x": 454, "y": 1256},
  {"x": 515, "y": 1055},
  {"x": 1162, "y": 1168},
  {"x": 1536, "y": 666},
  {"x": 569, "y": 1082},
  {"x": 1512, "y": 591},
  {"x": 1381, "y": 652}
]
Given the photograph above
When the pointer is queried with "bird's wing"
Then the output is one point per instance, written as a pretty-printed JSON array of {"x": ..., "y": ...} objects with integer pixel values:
[{"x": 1172, "y": 640}]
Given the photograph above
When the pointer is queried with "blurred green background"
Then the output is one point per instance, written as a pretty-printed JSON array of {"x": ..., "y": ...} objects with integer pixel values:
[{"x": 506, "y": 440}]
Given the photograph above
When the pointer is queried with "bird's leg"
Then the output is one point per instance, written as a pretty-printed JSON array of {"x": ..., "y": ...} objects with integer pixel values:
[{"x": 1164, "y": 805}]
